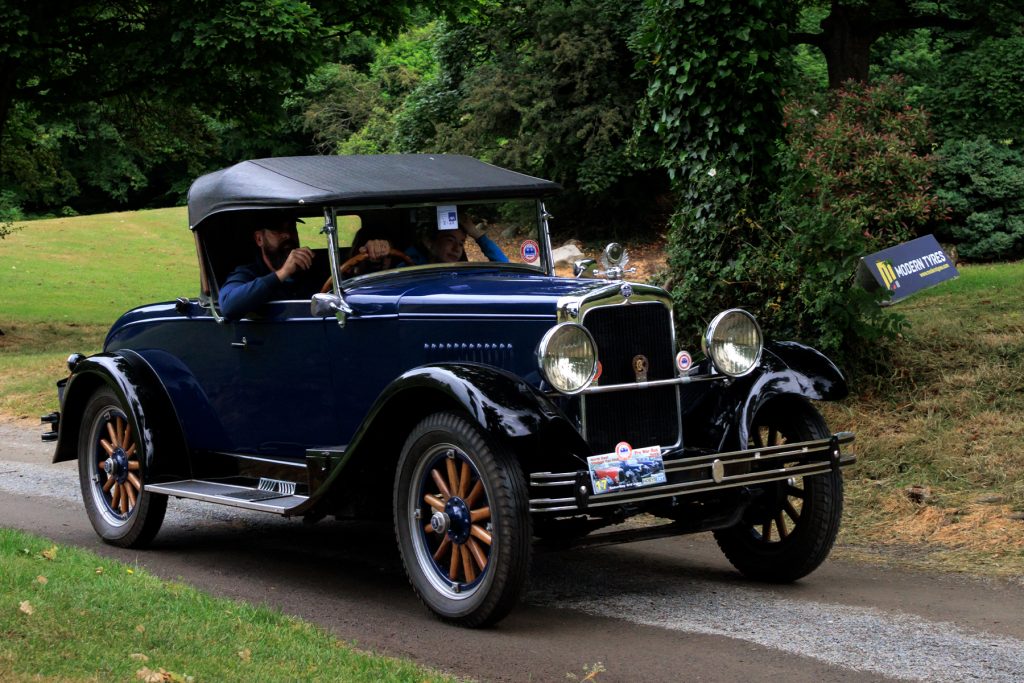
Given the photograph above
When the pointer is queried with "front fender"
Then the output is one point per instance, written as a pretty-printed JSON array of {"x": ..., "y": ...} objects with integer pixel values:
[
  {"x": 141, "y": 395},
  {"x": 786, "y": 369},
  {"x": 499, "y": 402}
]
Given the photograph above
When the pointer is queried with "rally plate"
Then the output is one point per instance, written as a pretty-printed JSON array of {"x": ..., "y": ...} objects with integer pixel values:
[{"x": 626, "y": 468}]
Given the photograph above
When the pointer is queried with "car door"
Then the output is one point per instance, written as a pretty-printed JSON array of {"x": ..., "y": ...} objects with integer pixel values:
[{"x": 267, "y": 377}]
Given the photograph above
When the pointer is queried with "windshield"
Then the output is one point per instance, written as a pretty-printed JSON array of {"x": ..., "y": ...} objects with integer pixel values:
[{"x": 441, "y": 235}]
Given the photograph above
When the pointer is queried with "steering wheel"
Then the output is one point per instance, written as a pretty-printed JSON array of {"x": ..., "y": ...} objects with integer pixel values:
[{"x": 359, "y": 258}]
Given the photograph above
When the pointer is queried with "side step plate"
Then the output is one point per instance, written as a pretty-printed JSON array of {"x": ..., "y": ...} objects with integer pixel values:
[{"x": 230, "y": 494}]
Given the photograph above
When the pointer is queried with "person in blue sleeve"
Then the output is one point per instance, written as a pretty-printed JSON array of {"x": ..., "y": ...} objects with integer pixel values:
[
  {"x": 448, "y": 246},
  {"x": 284, "y": 270}
]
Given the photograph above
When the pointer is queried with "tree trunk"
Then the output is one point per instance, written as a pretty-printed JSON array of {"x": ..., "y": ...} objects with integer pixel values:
[
  {"x": 846, "y": 39},
  {"x": 7, "y": 84}
]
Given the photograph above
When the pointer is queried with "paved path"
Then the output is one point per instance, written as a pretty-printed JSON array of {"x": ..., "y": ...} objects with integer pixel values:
[{"x": 665, "y": 610}]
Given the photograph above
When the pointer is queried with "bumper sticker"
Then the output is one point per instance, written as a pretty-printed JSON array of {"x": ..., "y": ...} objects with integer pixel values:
[{"x": 626, "y": 468}]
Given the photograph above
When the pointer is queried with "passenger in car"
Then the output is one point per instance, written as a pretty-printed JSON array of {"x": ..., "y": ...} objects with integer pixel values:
[
  {"x": 448, "y": 246},
  {"x": 284, "y": 269}
]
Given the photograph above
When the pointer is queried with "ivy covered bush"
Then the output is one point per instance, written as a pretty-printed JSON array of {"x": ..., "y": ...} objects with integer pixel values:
[
  {"x": 982, "y": 183},
  {"x": 854, "y": 177}
]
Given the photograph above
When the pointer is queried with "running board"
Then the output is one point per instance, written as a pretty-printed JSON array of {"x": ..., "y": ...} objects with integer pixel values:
[{"x": 270, "y": 496}]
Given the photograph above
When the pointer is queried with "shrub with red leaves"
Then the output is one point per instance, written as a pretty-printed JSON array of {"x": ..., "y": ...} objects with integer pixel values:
[{"x": 868, "y": 155}]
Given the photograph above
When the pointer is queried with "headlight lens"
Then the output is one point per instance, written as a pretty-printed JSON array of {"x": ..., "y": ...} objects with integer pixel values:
[
  {"x": 733, "y": 342},
  {"x": 567, "y": 356}
]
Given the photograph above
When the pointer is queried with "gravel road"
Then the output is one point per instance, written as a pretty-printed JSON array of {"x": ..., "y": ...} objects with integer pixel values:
[{"x": 656, "y": 610}]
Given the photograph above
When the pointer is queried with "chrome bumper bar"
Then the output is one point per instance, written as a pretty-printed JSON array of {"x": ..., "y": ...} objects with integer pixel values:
[{"x": 774, "y": 463}]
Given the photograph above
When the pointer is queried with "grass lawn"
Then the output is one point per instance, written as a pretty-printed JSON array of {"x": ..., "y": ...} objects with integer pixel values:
[
  {"x": 60, "y": 620},
  {"x": 64, "y": 281},
  {"x": 948, "y": 420}
]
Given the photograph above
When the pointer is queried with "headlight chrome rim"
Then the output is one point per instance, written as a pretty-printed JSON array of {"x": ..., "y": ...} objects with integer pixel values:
[
  {"x": 709, "y": 344},
  {"x": 543, "y": 353}
]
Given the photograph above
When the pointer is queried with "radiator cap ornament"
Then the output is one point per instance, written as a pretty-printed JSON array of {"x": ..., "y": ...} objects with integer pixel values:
[{"x": 614, "y": 259}]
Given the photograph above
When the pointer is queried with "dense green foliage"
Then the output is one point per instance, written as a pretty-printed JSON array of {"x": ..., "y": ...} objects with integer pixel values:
[
  {"x": 107, "y": 104},
  {"x": 982, "y": 183},
  {"x": 545, "y": 88},
  {"x": 549, "y": 89},
  {"x": 980, "y": 91},
  {"x": 641, "y": 109},
  {"x": 854, "y": 175},
  {"x": 713, "y": 85}
]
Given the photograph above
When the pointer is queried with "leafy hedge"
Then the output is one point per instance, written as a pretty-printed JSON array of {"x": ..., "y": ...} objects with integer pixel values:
[{"x": 982, "y": 183}]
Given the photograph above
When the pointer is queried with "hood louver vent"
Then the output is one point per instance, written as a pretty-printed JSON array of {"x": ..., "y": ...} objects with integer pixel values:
[{"x": 491, "y": 353}]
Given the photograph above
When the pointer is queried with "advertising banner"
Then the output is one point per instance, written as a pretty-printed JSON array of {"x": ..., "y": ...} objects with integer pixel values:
[{"x": 906, "y": 268}]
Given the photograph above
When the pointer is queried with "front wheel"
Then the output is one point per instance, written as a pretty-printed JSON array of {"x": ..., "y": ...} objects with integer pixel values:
[
  {"x": 462, "y": 521},
  {"x": 790, "y": 529},
  {"x": 111, "y": 474}
]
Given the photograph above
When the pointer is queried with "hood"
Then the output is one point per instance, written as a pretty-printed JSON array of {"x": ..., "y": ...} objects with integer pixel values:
[{"x": 468, "y": 292}]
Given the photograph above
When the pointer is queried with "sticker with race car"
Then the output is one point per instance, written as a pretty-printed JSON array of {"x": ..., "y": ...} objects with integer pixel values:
[{"x": 626, "y": 468}]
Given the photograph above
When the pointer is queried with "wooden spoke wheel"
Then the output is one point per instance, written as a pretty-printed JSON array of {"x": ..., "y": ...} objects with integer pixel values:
[
  {"x": 791, "y": 525},
  {"x": 461, "y": 521},
  {"x": 111, "y": 475}
]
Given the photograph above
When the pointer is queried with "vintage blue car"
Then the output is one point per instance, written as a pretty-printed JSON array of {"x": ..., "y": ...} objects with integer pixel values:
[{"x": 412, "y": 365}]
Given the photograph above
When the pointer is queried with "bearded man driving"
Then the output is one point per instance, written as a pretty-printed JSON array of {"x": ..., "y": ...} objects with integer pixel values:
[{"x": 284, "y": 269}]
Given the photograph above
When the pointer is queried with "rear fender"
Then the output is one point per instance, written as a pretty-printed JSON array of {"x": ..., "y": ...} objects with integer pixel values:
[{"x": 143, "y": 397}]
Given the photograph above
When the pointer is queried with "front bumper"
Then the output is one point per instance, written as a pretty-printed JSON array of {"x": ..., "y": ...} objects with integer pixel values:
[{"x": 571, "y": 492}]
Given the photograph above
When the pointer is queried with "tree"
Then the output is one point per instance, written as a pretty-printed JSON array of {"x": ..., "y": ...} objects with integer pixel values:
[
  {"x": 548, "y": 88},
  {"x": 182, "y": 65},
  {"x": 851, "y": 27}
]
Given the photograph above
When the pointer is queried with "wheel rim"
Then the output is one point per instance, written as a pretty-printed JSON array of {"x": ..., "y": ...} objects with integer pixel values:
[
  {"x": 785, "y": 506},
  {"x": 450, "y": 522},
  {"x": 115, "y": 466}
]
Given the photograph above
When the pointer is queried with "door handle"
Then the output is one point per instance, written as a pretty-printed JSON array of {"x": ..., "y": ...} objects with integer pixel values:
[{"x": 242, "y": 344}]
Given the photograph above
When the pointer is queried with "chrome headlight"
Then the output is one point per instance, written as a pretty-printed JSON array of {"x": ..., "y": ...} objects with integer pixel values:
[
  {"x": 567, "y": 357},
  {"x": 733, "y": 342}
]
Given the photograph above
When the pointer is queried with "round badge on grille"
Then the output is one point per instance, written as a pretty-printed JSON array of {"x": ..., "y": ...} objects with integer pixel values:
[{"x": 626, "y": 290}]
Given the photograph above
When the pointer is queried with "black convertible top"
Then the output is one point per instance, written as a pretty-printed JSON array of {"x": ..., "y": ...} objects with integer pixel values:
[{"x": 307, "y": 184}]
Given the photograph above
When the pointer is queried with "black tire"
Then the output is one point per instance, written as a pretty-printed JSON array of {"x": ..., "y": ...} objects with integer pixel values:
[
  {"x": 442, "y": 567},
  {"x": 803, "y": 511},
  {"x": 108, "y": 477}
]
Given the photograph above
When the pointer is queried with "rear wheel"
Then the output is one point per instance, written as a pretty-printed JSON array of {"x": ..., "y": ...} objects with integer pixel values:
[
  {"x": 111, "y": 474},
  {"x": 788, "y": 532},
  {"x": 462, "y": 521}
]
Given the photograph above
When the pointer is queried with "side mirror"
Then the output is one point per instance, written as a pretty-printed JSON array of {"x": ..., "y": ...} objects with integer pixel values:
[
  {"x": 325, "y": 304},
  {"x": 585, "y": 268}
]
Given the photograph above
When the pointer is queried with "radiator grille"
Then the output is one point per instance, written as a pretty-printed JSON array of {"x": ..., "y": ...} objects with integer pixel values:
[{"x": 644, "y": 417}]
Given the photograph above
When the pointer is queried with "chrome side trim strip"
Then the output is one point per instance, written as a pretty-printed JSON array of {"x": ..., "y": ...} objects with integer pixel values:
[
  {"x": 270, "y": 461},
  {"x": 471, "y": 316}
]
